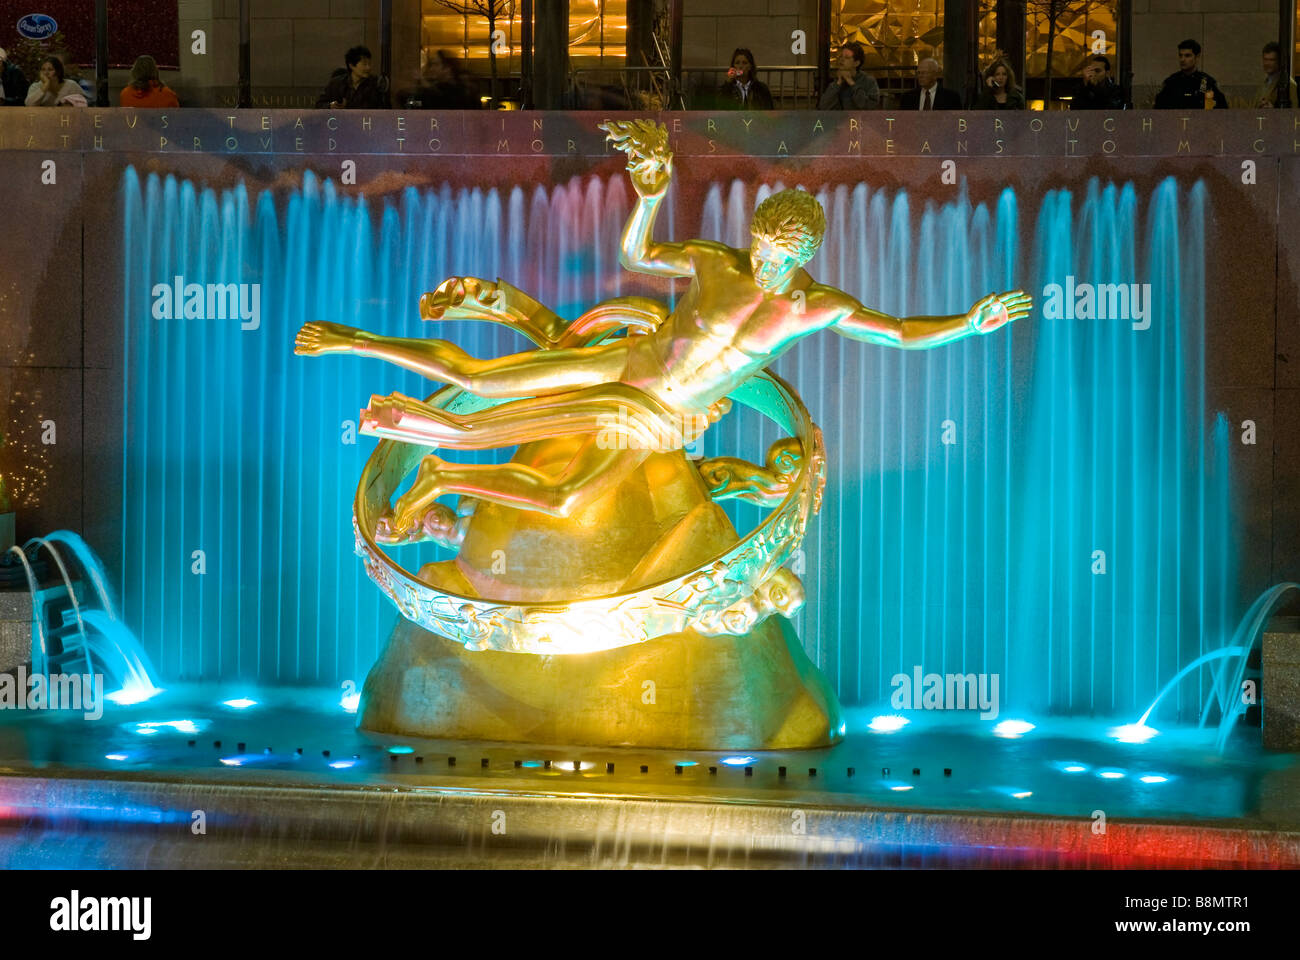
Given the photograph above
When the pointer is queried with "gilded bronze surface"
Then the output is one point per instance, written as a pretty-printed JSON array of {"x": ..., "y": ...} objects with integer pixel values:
[{"x": 591, "y": 406}]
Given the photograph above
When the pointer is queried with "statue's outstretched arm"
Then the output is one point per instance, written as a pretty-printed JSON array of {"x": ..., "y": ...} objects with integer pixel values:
[
  {"x": 650, "y": 168},
  {"x": 921, "y": 333}
]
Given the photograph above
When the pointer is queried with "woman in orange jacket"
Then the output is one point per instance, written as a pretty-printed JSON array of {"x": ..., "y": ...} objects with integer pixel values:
[{"x": 145, "y": 89}]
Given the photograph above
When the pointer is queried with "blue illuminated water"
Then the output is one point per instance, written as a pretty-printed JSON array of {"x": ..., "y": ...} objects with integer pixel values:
[{"x": 979, "y": 555}]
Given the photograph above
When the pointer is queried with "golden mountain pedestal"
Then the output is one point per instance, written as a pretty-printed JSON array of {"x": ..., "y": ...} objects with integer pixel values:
[{"x": 685, "y": 691}]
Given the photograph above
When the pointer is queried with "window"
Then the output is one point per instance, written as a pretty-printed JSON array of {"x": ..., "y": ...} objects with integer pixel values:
[
  {"x": 1083, "y": 27},
  {"x": 894, "y": 33},
  {"x": 597, "y": 32}
]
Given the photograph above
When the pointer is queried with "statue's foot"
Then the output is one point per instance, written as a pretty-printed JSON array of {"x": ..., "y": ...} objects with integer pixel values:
[
  {"x": 438, "y": 524},
  {"x": 319, "y": 337},
  {"x": 410, "y": 510},
  {"x": 387, "y": 532}
]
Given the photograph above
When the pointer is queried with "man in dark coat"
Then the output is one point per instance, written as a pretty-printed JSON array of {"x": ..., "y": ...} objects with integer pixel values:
[
  {"x": 1099, "y": 91},
  {"x": 354, "y": 87},
  {"x": 14, "y": 81},
  {"x": 1187, "y": 89}
]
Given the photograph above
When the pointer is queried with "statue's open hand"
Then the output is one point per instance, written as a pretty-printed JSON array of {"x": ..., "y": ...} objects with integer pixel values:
[
  {"x": 319, "y": 337},
  {"x": 999, "y": 308},
  {"x": 649, "y": 161}
]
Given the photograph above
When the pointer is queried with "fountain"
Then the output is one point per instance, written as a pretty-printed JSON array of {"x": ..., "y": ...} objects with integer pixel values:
[
  {"x": 1048, "y": 507},
  {"x": 89, "y": 641},
  {"x": 971, "y": 555}
]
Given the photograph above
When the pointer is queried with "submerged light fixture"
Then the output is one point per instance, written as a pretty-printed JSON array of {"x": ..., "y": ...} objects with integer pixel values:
[
  {"x": 1012, "y": 729},
  {"x": 887, "y": 724},
  {"x": 1133, "y": 733}
]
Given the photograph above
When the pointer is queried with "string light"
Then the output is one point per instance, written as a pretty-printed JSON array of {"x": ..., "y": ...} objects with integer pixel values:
[{"x": 24, "y": 458}]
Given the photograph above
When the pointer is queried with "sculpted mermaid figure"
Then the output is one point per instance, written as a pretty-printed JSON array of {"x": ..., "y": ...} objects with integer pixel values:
[{"x": 742, "y": 310}]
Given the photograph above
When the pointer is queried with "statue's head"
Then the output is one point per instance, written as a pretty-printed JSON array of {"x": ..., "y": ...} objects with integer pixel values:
[{"x": 787, "y": 229}]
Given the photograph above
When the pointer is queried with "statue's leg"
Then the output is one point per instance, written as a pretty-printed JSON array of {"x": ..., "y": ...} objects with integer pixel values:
[
  {"x": 533, "y": 373},
  {"x": 620, "y": 425},
  {"x": 620, "y": 415},
  {"x": 592, "y": 473}
]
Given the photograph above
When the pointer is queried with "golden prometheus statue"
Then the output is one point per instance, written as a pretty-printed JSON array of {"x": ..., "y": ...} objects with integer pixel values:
[{"x": 599, "y": 540}]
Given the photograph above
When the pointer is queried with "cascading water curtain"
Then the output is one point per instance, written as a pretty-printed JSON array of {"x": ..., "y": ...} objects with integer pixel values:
[
  {"x": 1048, "y": 503},
  {"x": 241, "y": 459},
  {"x": 969, "y": 488}
]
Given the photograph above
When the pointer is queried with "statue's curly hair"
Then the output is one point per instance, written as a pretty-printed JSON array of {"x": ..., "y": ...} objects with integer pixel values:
[{"x": 792, "y": 220}]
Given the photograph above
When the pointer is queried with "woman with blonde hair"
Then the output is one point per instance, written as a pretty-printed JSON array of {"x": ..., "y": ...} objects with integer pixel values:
[
  {"x": 146, "y": 89},
  {"x": 999, "y": 90}
]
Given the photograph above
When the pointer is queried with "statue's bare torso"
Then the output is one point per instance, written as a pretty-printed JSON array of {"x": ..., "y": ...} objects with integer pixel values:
[{"x": 723, "y": 330}]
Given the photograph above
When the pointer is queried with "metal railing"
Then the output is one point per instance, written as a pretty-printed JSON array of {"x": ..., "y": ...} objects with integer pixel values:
[
  {"x": 793, "y": 88},
  {"x": 649, "y": 88}
]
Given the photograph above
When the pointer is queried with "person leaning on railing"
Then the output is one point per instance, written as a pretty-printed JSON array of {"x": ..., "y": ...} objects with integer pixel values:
[
  {"x": 853, "y": 88},
  {"x": 1099, "y": 91},
  {"x": 1190, "y": 88},
  {"x": 53, "y": 89},
  {"x": 1274, "y": 93},
  {"x": 146, "y": 88},
  {"x": 13, "y": 81},
  {"x": 999, "y": 90},
  {"x": 353, "y": 86},
  {"x": 742, "y": 90}
]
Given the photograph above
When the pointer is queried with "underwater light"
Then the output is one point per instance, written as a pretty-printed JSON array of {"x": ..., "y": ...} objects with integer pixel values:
[
  {"x": 1133, "y": 733},
  {"x": 115, "y": 756},
  {"x": 531, "y": 763},
  {"x": 1154, "y": 778},
  {"x": 738, "y": 761},
  {"x": 232, "y": 761},
  {"x": 241, "y": 704},
  {"x": 1111, "y": 774},
  {"x": 900, "y": 787},
  {"x": 687, "y": 763},
  {"x": 150, "y": 727},
  {"x": 1074, "y": 768},
  {"x": 888, "y": 724},
  {"x": 1012, "y": 728},
  {"x": 133, "y": 693},
  {"x": 350, "y": 702},
  {"x": 342, "y": 764},
  {"x": 1022, "y": 794},
  {"x": 401, "y": 749}
]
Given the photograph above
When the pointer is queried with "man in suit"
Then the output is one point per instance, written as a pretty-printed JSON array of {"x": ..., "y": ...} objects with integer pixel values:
[{"x": 929, "y": 93}]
